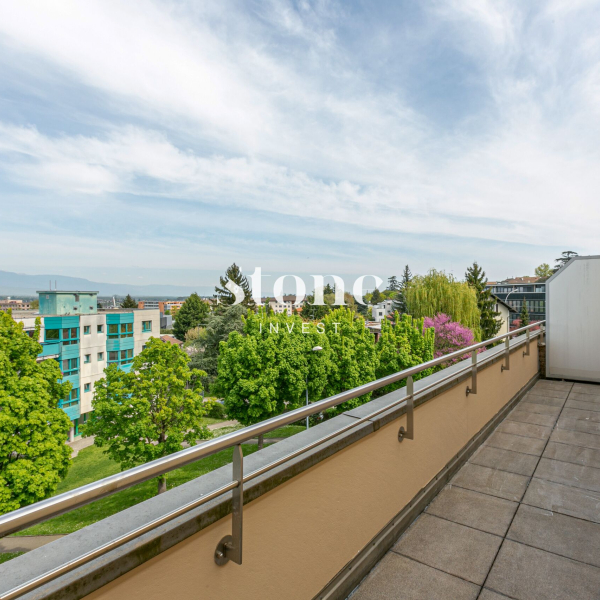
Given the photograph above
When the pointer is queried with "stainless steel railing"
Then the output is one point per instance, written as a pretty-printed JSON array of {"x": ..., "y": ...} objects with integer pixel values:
[{"x": 230, "y": 547}]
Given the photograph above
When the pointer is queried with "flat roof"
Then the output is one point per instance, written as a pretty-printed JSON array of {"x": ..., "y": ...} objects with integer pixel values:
[{"x": 65, "y": 292}]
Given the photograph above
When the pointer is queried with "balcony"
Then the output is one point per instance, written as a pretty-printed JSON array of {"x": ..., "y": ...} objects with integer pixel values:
[
  {"x": 477, "y": 481},
  {"x": 49, "y": 350}
]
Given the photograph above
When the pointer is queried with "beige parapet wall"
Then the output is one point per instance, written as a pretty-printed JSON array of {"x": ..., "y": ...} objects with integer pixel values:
[{"x": 299, "y": 535}]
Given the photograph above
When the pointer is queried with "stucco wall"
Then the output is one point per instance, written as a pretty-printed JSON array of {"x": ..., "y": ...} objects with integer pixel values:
[{"x": 300, "y": 534}]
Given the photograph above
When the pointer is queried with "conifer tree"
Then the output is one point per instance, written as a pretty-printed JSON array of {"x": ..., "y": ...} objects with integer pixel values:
[
  {"x": 227, "y": 298},
  {"x": 399, "y": 302},
  {"x": 193, "y": 313},
  {"x": 406, "y": 278},
  {"x": 393, "y": 284},
  {"x": 376, "y": 297},
  {"x": 489, "y": 324},
  {"x": 129, "y": 302},
  {"x": 524, "y": 314}
]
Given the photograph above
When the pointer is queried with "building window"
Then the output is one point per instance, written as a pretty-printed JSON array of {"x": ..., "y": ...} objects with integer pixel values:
[
  {"x": 52, "y": 334},
  {"x": 146, "y": 326},
  {"x": 72, "y": 399},
  {"x": 126, "y": 330},
  {"x": 100, "y": 356},
  {"x": 87, "y": 387},
  {"x": 87, "y": 330},
  {"x": 70, "y": 336},
  {"x": 100, "y": 329},
  {"x": 113, "y": 330},
  {"x": 88, "y": 358},
  {"x": 113, "y": 356},
  {"x": 70, "y": 366}
]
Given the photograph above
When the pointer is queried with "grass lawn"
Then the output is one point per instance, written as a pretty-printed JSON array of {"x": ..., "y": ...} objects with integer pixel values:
[
  {"x": 92, "y": 464},
  {"x": 6, "y": 556}
]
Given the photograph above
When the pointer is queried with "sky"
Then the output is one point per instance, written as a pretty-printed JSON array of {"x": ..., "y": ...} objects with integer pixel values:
[{"x": 158, "y": 142}]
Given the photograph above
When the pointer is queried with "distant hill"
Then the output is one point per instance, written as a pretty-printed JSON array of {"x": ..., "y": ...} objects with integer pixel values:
[{"x": 18, "y": 284}]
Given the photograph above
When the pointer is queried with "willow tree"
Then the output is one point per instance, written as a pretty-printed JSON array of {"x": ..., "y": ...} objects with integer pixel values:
[{"x": 437, "y": 292}]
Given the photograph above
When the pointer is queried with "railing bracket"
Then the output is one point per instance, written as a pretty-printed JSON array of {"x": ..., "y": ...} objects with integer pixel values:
[
  {"x": 409, "y": 432},
  {"x": 230, "y": 547},
  {"x": 473, "y": 388},
  {"x": 506, "y": 365}
]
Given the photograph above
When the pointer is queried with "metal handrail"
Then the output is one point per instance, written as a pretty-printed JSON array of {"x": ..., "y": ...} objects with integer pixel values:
[
  {"x": 45, "y": 509},
  {"x": 56, "y": 505}
]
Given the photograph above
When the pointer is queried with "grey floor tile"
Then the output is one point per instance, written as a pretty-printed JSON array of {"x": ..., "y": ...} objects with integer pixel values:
[
  {"x": 549, "y": 393},
  {"x": 578, "y": 425},
  {"x": 587, "y": 478},
  {"x": 588, "y": 457},
  {"x": 586, "y": 388},
  {"x": 575, "y": 438},
  {"x": 525, "y": 429},
  {"x": 517, "y": 443},
  {"x": 509, "y": 486},
  {"x": 527, "y": 573},
  {"x": 455, "y": 549},
  {"x": 473, "y": 509},
  {"x": 557, "y": 402},
  {"x": 540, "y": 409},
  {"x": 490, "y": 595},
  {"x": 589, "y": 398},
  {"x": 557, "y": 533},
  {"x": 582, "y": 405},
  {"x": 524, "y": 416},
  {"x": 582, "y": 415},
  {"x": 564, "y": 499},
  {"x": 398, "y": 578},
  {"x": 505, "y": 460}
]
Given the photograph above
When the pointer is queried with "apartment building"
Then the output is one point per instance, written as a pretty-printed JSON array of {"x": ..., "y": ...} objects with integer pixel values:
[
  {"x": 14, "y": 304},
  {"x": 85, "y": 340},
  {"x": 160, "y": 305},
  {"x": 287, "y": 306},
  {"x": 382, "y": 310},
  {"x": 516, "y": 290}
]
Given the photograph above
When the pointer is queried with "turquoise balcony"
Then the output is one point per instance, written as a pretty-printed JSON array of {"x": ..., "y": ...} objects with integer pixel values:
[{"x": 49, "y": 350}]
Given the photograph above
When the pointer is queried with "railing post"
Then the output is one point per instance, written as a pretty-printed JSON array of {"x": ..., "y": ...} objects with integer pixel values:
[
  {"x": 506, "y": 365},
  {"x": 409, "y": 432},
  {"x": 526, "y": 351},
  {"x": 230, "y": 547},
  {"x": 473, "y": 388}
]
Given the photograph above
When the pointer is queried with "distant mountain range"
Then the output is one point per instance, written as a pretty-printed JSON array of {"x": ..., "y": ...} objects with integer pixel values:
[{"x": 18, "y": 284}]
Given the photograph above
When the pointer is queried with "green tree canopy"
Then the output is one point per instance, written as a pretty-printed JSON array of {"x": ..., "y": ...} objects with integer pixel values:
[
  {"x": 353, "y": 358},
  {"x": 218, "y": 329},
  {"x": 262, "y": 371},
  {"x": 193, "y": 313},
  {"x": 524, "y": 314},
  {"x": 406, "y": 277},
  {"x": 129, "y": 302},
  {"x": 489, "y": 323},
  {"x": 393, "y": 284},
  {"x": 437, "y": 292},
  {"x": 33, "y": 429},
  {"x": 227, "y": 298},
  {"x": 403, "y": 344},
  {"x": 543, "y": 270},
  {"x": 150, "y": 411},
  {"x": 376, "y": 297},
  {"x": 564, "y": 258}
]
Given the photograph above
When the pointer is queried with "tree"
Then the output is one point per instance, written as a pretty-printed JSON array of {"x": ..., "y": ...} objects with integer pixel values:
[
  {"x": 524, "y": 314},
  {"x": 193, "y": 313},
  {"x": 399, "y": 303},
  {"x": 227, "y": 298},
  {"x": 393, "y": 284},
  {"x": 262, "y": 372},
  {"x": 328, "y": 289},
  {"x": 565, "y": 257},
  {"x": 33, "y": 428},
  {"x": 316, "y": 312},
  {"x": 217, "y": 330},
  {"x": 376, "y": 297},
  {"x": 353, "y": 358},
  {"x": 406, "y": 277},
  {"x": 543, "y": 270},
  {"x": 489, "y": 323},
  {"x": 450, "y": 336},
  {"x": 148, "y": 412},
  {"x": 436, "y": 292},
  {"x": 403, "y": 344},
  {"x": 34, "y": 304},
  {"x": 129, "y": 302}
]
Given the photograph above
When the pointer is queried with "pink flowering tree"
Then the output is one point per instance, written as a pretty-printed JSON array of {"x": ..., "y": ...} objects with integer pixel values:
[{"x": 450, "y": 336}]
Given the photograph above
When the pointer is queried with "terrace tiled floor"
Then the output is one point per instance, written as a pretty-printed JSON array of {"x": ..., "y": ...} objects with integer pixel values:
[{"x": 520, "y": 520}]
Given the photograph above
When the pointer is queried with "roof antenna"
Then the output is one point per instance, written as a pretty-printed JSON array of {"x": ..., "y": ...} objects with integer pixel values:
[
  {"x": 50, "y": 284},
  {"x": 55, "y": 286}
]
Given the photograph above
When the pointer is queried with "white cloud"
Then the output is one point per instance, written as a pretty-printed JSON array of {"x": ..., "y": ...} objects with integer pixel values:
[{"x": 273, "y": 112}]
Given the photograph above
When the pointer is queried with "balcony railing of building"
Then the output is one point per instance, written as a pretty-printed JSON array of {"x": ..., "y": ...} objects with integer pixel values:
[{"x": 230, "y": 547}]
